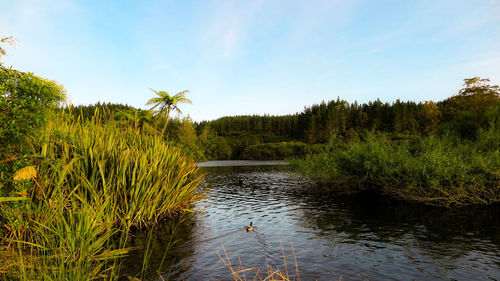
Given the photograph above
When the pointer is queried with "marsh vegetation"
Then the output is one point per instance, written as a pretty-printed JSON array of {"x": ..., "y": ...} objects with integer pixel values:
[
  {"x": 73, "y": 189},
  {"x": 79, "y": 185}
]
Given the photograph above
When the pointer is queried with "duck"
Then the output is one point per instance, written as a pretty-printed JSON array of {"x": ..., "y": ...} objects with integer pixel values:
[{"x": 250, "y": 227}]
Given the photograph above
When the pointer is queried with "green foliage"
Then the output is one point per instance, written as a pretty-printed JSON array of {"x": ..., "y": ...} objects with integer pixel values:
[
  {"x": 95, "y": 182},
  {"x": 217, "y": 148},
  {"x": 275, "y": 151},
  {"x": 187, "y": 138},
  {"x": 186, "y": 134},
  {"x": 434, "y": 170},
  {"x": 492, "y": 116},
  {"x": 473, "y": 108},
  {"x": 431, "y": 117},
  {"x": 164, "y": 103},
  {"x": 465, "y": 124},
  {"x": 214, "y": 147},
  {"x": 24, "y": 101},
  {"x": 468, "y": 113},
  {"x": 137, "y": 118},
  {"x": 140, "y": 169},
  {"x": 477, "y": 86},
  {"x": 282, "y": 126},
  {"x": 107, "y": 111}
]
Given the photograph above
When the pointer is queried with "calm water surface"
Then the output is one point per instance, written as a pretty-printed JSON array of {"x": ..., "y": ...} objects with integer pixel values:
[{"x": 353, "y": 237}]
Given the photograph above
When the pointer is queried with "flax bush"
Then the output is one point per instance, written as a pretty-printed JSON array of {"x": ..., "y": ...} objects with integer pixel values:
[{"x": 95, "y": 182}]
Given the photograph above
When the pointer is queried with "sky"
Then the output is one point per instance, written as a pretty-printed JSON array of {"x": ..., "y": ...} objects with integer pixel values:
[{"x": 254, "y": 57}]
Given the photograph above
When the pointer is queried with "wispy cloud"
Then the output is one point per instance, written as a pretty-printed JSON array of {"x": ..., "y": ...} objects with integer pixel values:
[
  {"x": 242, "y": 51},
  {"x": 225, "y": 30}
]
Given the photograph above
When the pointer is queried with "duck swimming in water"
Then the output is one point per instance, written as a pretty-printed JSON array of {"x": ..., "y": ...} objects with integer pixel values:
[{"x": 250, "y": 227}]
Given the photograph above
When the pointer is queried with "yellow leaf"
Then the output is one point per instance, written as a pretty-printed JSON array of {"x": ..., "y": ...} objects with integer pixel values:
[{"x": 26, "y": 173}]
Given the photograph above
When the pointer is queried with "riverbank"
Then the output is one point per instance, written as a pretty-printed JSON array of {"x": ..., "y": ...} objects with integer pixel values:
[
  {"x": 235, "y": 163},
  {"x": 436, "y": 170}
]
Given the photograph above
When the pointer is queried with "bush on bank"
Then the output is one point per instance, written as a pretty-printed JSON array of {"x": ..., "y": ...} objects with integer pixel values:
[{"x": 439, "y": 170}]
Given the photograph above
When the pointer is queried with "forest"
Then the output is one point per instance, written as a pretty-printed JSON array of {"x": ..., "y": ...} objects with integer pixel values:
[{"x": 473, "y": 110}]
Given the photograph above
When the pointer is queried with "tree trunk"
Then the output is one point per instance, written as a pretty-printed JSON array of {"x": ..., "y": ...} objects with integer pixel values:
[{"x": 166, "y": 123}]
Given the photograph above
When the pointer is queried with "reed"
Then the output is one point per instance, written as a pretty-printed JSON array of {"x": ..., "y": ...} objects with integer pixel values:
[{"x": 92, "y": 183}]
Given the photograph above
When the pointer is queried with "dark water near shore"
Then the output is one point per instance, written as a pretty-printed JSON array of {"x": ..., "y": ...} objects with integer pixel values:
[{"x": 353, "y": 237}]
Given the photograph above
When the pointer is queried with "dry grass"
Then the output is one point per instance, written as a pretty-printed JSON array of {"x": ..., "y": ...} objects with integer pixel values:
[{"x": 240, "y": 272}]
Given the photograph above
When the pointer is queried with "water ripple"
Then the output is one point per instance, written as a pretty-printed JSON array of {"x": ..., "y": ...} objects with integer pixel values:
[{"x": 356, "y": 237}]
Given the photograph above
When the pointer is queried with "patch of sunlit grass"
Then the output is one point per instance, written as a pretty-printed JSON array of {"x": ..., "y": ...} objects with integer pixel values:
[{"x": 26, "y": 173}]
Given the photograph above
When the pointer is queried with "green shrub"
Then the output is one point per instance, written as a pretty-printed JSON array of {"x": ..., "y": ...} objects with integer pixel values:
[
  {"x": 24, "y": 102},
  {"x": 274, "y": 151},
  {"x": 436, "y": 170},
  {"x": 216, "y": 148}
]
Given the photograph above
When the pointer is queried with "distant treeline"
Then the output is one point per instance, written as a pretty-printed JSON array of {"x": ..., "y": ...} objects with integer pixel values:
[
  {"x": 318, "y": 122},
  {"x": 239, "y": 137}
]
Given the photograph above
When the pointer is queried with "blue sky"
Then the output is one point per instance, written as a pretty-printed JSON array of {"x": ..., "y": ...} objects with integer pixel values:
[{"x": 254, "y": 57}]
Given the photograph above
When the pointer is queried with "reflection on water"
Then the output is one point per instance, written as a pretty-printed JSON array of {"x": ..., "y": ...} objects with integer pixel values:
[
  {"x": 356, "y": 237},
  {"x": 164, "y": 248},
  {"x": 240, "y": 163}
]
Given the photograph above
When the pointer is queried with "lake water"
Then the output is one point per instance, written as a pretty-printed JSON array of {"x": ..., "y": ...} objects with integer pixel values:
[{"x": 357, "y": 238}]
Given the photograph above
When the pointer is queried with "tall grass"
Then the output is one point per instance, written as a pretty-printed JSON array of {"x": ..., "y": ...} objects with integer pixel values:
[
  {"x": 95, "y": 182},
  {"x": 438, "y": 170}
]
